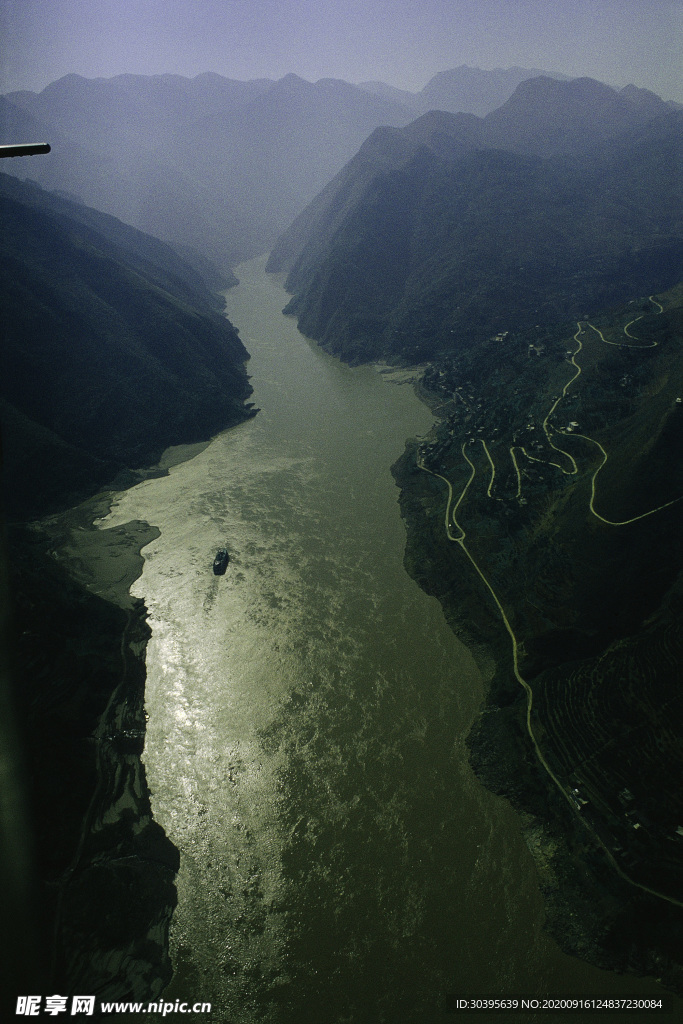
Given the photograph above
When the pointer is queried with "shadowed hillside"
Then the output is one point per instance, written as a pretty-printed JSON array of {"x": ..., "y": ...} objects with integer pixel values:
[
  {"x": 448, "y": 231},
  {"x": 557, "y": 460},
  {"x": 113, "y": 349}
]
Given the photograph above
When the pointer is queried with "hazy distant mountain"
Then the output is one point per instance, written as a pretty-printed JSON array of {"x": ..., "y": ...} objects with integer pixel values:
[
  {"x": 548, "y": 117},
  {"x": 433, "y": 233},
  {"x": 112, "y": 350},
  {"x": 474, "y": 91},
  {"x": 213, "y": 164},
  {"x": 137, "y": 110},
  {"x": 282, "y": 148},
  {"x": 111, "y": 144},
  {"x": 392, "y": 92},
  {"x": 218, "y": 165},
  {"x": 462, "y": 89}
]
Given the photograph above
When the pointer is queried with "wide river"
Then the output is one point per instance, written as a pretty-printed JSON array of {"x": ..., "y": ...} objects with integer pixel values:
[{"x": 307, "y": 721}]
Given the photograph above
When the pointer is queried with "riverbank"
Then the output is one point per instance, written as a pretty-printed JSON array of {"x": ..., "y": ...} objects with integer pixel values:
[
  {"x": 540, "y": 596},
  {"x": 103, "y": 873},
  {"x": 308, "y": 713},
  {"x": 591, "y": 911},
  {"x": 108, "y": 561},
  {"x": 103, "y": 870}
]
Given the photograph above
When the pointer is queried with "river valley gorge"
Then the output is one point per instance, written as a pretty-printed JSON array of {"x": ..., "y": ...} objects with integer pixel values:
[
  {"x": 308, "y": 716},
  {"x": 341, "y": 480}
]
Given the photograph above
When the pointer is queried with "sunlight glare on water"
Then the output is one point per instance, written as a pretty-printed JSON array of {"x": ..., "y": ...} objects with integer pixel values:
[{"x": 308, "y": 714}]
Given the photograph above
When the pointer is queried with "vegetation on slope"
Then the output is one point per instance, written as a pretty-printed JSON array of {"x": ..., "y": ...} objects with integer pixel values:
[
  {"x": 441, "y": 234},
  {"x": 544, "y": 513},
  {"x": 113, "y": 349},
  {"x": 558, "y": 460}
]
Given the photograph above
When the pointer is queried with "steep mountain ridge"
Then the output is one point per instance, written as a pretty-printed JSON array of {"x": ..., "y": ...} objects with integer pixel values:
[
  {"x": 105, "y": 331},
  {"x": 462, "y": 89},
  {"x": 385, "y": 150},
  {"x": 492, "y": 230},
  {"x": 218, "y": 165}
]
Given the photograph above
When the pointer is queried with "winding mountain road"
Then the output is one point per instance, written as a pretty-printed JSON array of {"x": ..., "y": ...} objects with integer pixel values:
[{"x": 451, "y": 520}]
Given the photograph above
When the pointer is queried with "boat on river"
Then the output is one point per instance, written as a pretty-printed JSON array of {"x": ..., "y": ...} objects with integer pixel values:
[{"x": 220, "y": 562}]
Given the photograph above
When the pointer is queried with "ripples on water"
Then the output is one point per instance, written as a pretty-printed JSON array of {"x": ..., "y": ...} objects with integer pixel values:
[{"x": 308, "y": 713}]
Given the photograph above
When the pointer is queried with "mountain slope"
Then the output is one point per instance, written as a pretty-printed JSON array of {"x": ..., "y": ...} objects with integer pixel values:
[
  {"x": 113, "y": 349},
  {"x": 385, "y": 150},
  {"x": 218, "y": 165},
  {"x": 435, "y": 233},
  {"x": 546, "y": 117},
  {"x": 544, "y": 512}
]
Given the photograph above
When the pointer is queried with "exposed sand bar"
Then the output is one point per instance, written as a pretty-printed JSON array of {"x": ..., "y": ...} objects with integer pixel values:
[{"x": 107, "y": 561}]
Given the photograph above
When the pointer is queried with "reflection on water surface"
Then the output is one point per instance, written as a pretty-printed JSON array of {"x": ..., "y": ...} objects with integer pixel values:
[{"x": 308, "y": 714}]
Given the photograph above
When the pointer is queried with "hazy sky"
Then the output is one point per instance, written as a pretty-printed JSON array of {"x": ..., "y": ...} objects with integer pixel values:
[{"x": 403, "y": 42}]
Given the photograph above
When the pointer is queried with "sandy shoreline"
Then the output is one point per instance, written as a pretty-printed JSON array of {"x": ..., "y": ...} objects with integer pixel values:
[
  {"x": 105, "y": 562},
  {"x": 108, "y": 561}
]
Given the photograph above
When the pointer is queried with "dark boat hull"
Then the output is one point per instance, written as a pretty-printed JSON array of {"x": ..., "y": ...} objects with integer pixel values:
[{"x": 220, "y": 562}]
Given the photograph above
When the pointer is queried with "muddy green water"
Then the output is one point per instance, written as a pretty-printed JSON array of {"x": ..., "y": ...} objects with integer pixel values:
[{"x": 307, "y": 720}]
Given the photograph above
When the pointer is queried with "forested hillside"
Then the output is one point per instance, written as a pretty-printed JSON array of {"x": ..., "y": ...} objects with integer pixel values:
[
  {"x": 113, "y": 349},
  {"x": 563, "y": 201},
  {"x": 557, "y": 463}
]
